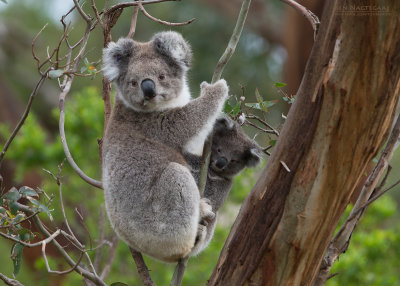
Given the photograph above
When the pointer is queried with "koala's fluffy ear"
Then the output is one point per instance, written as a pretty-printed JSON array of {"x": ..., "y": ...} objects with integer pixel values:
[
  {"x": 253, "y": 157},
  {"x": 116, "y": 56},
  {"x": 224, "y": 123},
  {"x": 172, "y": 45}
]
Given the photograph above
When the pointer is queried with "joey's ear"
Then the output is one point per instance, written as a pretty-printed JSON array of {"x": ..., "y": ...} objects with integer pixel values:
[
  {"x": 172, "y": 45},
  {"x": 224, "y": 123},
  {"x": 253, "y": 157},
  {"x": 116, "y": 57}
]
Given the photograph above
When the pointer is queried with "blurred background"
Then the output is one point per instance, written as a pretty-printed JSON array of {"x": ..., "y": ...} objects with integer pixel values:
[{"x": 274, "y": 47}]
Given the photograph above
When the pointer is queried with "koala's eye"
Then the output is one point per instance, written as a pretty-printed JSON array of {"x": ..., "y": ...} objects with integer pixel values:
[
  {"x": 219, "y": 150},
  {"x": 134, "y": 83},
  {"x": 161, "y": 77}
]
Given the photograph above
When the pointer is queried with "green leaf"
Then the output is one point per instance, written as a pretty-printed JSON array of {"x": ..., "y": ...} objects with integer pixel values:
[
  {"x": 16, "y": 256},
  {"x": 272, "y": 142},
  {"x": 4, "y": 1},
  {"x": 258, "y": 96},
  {"x": 253, "y": 105},
  {"x": 236, "y": 109},
  {"x": 13, "y": 208},
  {"x": 55, "y": 73},
  {"x": 280, "y": 84},
  {"x": 2, "y": 210},
  {"x": 42, "y": 208},
  {"x": 270, "y": 103},
  {"x": 25, "y": 234},
  {"x": 27, "y": 191},
  {"x": 118, "y": 284},
  {"x": 12, "y": 195}
]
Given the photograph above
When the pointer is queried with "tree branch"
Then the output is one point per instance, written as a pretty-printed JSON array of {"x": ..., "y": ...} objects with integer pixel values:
[
  {"x": 310, "y": 16},
  {"x": 9, "y": 281},
  {"x": 341, "y": 241},
  {"x": 142, "y": 268}
]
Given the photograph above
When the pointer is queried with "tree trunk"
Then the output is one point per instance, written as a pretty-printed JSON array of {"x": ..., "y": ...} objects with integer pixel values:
[{"x": 340, "y": 119}]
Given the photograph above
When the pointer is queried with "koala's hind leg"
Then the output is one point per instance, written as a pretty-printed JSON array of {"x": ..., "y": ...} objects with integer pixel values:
[{"x": 175, "y": 208}]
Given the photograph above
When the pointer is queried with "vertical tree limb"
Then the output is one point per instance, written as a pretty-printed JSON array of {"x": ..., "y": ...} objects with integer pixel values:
[{"x": 341, "y": 117}]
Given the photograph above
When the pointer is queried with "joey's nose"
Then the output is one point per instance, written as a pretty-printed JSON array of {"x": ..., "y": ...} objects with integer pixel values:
[
  {"x": 148, "y": 88},
  {"x": 221, "y": 163}
]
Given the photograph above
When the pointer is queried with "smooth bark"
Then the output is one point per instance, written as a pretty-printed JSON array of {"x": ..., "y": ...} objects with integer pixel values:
[{"x": 341, "y": 117}]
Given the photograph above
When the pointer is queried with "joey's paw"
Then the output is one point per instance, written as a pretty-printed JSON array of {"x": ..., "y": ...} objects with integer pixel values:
[{"x": 206, "y": 213}]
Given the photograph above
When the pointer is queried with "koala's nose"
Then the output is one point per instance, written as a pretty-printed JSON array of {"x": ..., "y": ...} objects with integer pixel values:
[
  {"x": 148, "y": 88},
  {"x": 221, "y": 163}
]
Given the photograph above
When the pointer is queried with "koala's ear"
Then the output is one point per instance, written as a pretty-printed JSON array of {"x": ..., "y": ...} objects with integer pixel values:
[
  {"x": 116, "y": 56},
  {"x": 172, "y": 45},
  {"x": 253, "y": 157},
  {"x": 224, "y": 123}
]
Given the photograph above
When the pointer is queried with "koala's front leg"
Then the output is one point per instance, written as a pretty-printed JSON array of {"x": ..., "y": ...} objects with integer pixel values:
[{"x": 194, "y": 121}]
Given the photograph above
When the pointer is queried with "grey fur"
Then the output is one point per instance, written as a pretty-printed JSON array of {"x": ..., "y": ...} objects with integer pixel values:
[
  {"x": 230, "y": 142},
  {"x": 151, "y": 197}
]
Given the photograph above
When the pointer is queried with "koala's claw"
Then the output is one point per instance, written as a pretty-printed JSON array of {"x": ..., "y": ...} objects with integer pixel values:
[{"x": 206, "y": 213}]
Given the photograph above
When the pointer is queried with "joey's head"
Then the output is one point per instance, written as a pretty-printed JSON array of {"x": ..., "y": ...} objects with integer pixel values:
[
  {"x": 232, "y": 150},
  {"x": 149, "y": 76}
]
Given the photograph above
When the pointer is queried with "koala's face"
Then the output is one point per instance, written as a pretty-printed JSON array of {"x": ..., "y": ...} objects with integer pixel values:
[
  {"x": 149, "y": 76},
  {"x": 232, "y": 150}
]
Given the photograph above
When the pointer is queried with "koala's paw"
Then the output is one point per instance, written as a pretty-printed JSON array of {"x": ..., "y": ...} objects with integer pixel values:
[
  {"x": 219, "y": 88},
  {"x": 200, "y": 242},
  {"x": 206, "y": 213}
]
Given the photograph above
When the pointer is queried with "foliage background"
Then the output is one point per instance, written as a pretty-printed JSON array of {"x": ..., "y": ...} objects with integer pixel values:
[{"x": 374, "y": 254}]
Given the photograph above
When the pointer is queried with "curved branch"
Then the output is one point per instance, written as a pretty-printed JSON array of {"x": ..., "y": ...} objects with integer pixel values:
[
  {"x": 162, "y": 21},
  {"x": 24, "y": 116},
  {"x": 71, "y": 161},
  {"x": 311, "y": 17}
]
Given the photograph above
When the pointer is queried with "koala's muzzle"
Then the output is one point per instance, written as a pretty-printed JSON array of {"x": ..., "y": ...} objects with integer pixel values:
[
  {"x": 148, "y": 88},
  {"x": 221, "y": 163}
]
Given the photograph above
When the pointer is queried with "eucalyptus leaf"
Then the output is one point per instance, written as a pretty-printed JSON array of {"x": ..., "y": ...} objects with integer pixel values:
[
  {"x": 55, "y": 73},
  {"x": 27, "y": 191},
  {"x": 16, "y": 256},
  {"x": 12, "y": 195},
  {"x": 280, "y": 84}
]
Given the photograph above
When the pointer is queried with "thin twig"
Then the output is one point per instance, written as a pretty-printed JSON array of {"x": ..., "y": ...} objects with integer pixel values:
[
  {"x": 142, "y": 268},
  {"x": 179, "y": 271},
  {"x": 132, "y": 29},
  {"x": 130, "y": 4},
  {"x": 9, "y": 281},
  {"x": 24, "y": 116},
  {"x": 110, "y": 258},
  {"x": 159, "y": 20},
  {"x": 86, "y": 17},
  {"x": 96, "y": 13},
  {"x": 54, "y": 271},
  {"x": 311, "y": 17},
  {"x": 42, "y": 228}
]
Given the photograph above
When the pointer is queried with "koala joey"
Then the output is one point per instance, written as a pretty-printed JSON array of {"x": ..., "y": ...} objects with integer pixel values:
[
  {"x": 151, "y": 197},
  {"x": 232, "y": 150}
]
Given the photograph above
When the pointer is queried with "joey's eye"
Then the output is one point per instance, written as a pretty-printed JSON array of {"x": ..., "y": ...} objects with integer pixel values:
[
  {"x": 219, "y": 150},
  {"x": 161, "y": 77},
  {"x": 134, "y": 83}
]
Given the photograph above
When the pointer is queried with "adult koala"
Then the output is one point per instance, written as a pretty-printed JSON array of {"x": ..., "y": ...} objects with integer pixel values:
[{"x": 151, "y": 197}]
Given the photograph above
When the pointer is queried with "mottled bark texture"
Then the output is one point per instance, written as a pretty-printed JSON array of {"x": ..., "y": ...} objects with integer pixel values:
[{"x": 340, "y": 119}]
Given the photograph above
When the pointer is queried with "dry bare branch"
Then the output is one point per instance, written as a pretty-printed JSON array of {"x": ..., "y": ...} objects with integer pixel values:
[
  {"x": 311, "y": 17},
  {"x": 132, "y": 28},
  {"x": 159, "y": 20},
  {"x": 9, "y": 281},
  {"x": 142, "y": 268},
  {"x": 24, "y": 116}
]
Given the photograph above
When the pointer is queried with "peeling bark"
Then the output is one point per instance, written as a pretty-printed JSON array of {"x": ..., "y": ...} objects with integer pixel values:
[{"x": 341, "y": 117}]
